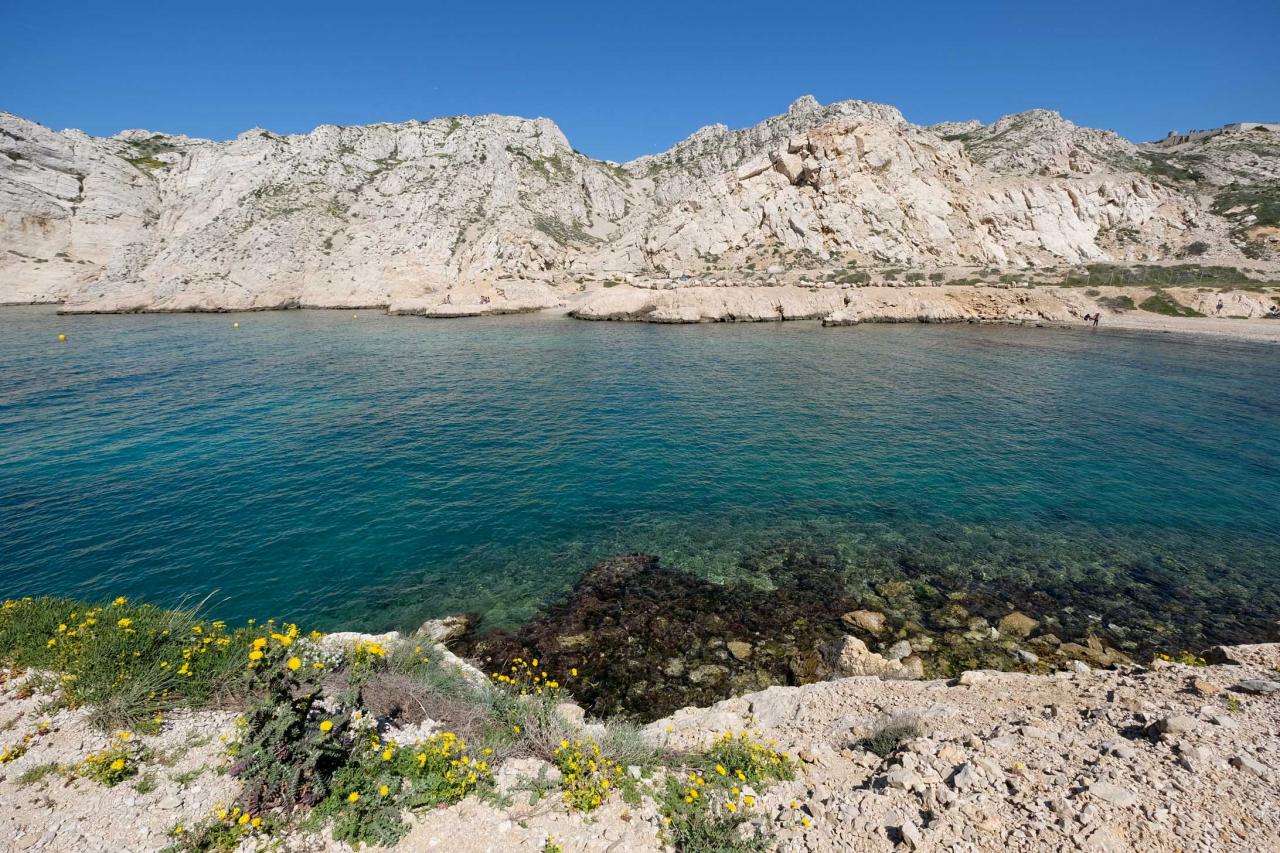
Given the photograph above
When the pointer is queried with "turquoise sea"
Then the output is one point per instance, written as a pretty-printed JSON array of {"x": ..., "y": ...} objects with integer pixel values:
[{"x": 370, "y": 471}]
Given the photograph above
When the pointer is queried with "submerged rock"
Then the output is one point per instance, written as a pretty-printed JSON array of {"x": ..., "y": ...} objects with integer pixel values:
[
  {"x": 1018, "y": 624},
  {"x": 867, "y": 620}
]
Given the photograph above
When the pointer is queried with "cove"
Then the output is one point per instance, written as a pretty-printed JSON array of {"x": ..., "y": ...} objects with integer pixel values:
[{"x": 366, "y": 472}]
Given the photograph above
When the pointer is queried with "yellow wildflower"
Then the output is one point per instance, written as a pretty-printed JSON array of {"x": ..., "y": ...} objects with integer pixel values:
[
  {"x": 383, "y": 791},
  {"x": 124, "y": 622},
  {"x": 294, "y": 664},
  {"x": 353, "y": 796},
  {"x": 121, "y": 601},
  {"x": 326, "y": 725}
]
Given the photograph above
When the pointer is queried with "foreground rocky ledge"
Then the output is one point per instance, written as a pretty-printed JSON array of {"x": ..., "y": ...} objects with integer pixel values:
[{"x": 1170, "y": 757}]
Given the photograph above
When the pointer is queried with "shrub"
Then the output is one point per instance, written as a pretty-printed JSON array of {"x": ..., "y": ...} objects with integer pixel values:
[
  {"x": 286, "y": 753},
  {"x": 1117, "y": 303},
  {"x": 746, "y": 759},
  {"x": 381, "y": 780},
  {"x": 889, "y": 736},
  {"x": 112, "y": 765},
  {"x": 697, "y": 821},
  {"x": 587, "y": 776},
  {"x": 1162, "y": 303},
  {"x": 224, "y": 830},
  {"x": 705, "y": 808}
]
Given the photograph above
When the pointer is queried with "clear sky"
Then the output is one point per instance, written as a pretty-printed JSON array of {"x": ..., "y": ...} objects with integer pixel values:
[{"x": 624, "y": 79}]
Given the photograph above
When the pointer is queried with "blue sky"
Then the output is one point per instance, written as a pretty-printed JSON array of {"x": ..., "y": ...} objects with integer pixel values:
[{"x": 624, "y": 79}]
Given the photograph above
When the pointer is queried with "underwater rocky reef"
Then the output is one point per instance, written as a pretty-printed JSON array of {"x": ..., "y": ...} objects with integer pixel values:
[{"x": 651, "y": 638}]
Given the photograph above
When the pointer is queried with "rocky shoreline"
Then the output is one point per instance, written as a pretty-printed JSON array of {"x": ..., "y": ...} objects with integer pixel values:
[
  {"x": 1245, "y": 312},
  {"x": 656, "y": 639},
  {"x": 916, "y": 713},
  {"x": 1169, "y": 756}
]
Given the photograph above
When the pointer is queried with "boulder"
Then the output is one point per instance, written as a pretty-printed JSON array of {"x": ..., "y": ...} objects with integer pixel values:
[
  {"x": 790, "y": 166},
  {"x": 446, "y": 629},
  {"x": 1257, "y": 686},
  {"x": 1113, "y": 794},
  {"x": 1177, "y": 724},
  {"x": 850, "y": 657}
]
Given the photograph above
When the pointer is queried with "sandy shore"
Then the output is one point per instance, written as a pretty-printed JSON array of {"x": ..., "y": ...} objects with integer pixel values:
[{"x": 1246, "y": 330}]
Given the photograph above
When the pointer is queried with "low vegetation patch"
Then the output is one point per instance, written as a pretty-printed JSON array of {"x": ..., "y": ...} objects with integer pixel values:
[
  {"x": 888, "y": 737},
  {"x": 707, "y": 805},
  {"x": 129, "y": 662},
  {"x": 1117, "y": 303},
  {"x": 1120, "y": 275},
  {"x": 1161, "y": 302},
  {"x": 307, "y": 750}
]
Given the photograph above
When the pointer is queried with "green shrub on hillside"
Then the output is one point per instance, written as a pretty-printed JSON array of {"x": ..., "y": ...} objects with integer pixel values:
[{"x": 1162, "y": 303}]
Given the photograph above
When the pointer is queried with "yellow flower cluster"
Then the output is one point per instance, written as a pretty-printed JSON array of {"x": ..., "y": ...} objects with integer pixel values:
[
  {"x": 237, "y": 817},
  {"x": 528, "y": 679},
  {"x": 747, "y": 759},
  {"x": 271, "y": 641},
  {"x": 112, "y": 765},
  {"x": 587, "y": 775},
  {"x": 1185, "y": 658},
  {"x": 16, "y": 751}
]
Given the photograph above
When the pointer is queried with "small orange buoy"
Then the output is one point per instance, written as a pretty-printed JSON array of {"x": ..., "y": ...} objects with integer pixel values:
[{"x": 62, "y": 337}]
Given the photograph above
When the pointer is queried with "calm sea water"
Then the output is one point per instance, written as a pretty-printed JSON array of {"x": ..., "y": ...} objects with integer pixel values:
[{"x": 371, "y": 471}]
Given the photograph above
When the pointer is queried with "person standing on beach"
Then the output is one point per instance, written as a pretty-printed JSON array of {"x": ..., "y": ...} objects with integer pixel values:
[
  {"x": 1097, "y": 315},
  {"x": 1219, "y": 305}
]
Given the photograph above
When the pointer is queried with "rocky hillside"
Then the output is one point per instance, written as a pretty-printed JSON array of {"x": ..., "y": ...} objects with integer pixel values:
[{"x": 441, "y": 217}]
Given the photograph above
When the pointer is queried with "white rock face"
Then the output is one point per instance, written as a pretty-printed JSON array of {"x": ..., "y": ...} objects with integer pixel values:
[{"x": 488, "y": 214}]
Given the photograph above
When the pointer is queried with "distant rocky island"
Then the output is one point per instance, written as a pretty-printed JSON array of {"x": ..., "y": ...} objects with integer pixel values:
[{"x": 845, "y": 213}]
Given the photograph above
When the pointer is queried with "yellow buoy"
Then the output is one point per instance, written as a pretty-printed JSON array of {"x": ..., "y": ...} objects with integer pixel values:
[
  {"x": 62, "y": 337},
  {"x": 235, "y": 325}
]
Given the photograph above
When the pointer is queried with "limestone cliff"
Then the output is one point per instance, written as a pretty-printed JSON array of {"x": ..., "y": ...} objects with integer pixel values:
[{"x": 475, "y": 214}]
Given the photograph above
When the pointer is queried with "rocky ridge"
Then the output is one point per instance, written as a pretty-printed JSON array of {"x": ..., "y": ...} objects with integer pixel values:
[{"x": 487, "y": 214}]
